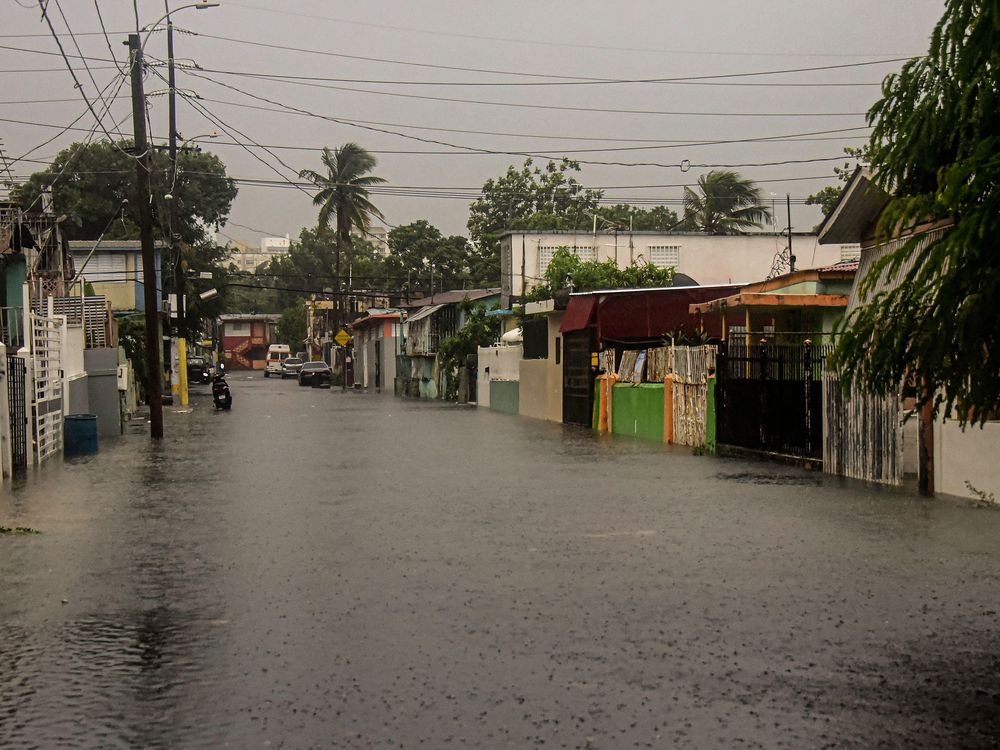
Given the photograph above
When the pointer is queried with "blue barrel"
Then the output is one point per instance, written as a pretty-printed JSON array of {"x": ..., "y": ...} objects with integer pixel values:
[{"x": 80, "y": 435}]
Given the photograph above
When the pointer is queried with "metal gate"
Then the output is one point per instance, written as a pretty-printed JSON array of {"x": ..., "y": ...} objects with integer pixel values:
[
  {"x": 46, "y": 348},
  {"x": 578, "y": 379},
  {"x": 16, "y": 371},
  {"x": 769, "y": 398}
]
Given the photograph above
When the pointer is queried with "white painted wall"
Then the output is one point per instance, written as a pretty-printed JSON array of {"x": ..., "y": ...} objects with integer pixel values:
[
  {"x": 496, "y": 363},
  {"x": 969, "y": 456},
  {"x": 707, "y": 259}
]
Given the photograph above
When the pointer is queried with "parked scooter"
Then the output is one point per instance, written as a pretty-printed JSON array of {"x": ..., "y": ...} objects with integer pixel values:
[{"x": 221, "y": 396}]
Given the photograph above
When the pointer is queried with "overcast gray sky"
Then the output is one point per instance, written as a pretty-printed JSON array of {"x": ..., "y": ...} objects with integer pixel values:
[{"x": 542, "y": 42}]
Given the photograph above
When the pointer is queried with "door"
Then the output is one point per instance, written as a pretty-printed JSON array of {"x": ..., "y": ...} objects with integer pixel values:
[
  {"x": 378, "y": 364},
  {"x": 578, "y": 378}
]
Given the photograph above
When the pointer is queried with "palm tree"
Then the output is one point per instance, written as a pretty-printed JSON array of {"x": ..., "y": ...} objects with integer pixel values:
[
  {"x": 725, "y": 204},
  {"x": 343, "y": 192}
]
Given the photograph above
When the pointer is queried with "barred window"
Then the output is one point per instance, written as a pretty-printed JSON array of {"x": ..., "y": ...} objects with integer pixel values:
[{"x": 547, "y": 252}]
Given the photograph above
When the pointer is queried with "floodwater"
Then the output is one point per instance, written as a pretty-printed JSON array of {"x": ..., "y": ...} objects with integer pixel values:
[{"x": 328, "y": 569}]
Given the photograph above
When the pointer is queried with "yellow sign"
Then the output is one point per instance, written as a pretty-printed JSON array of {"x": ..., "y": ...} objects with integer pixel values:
[{"x": 342, "y": 337}]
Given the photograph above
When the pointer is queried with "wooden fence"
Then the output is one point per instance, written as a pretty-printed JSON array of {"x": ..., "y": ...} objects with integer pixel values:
[{"x": 862, "y": 434}]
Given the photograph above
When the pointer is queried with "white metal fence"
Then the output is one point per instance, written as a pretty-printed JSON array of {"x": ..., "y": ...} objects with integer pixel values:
[{"x": 47, "y": 402}]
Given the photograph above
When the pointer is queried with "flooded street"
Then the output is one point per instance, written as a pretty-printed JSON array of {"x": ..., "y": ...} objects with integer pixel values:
[{"x": 327, "y": 569}]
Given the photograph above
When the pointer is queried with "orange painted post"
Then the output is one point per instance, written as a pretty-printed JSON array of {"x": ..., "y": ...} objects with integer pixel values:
[
  {"x": 602, "y": 407},
  {"x": 668, "y": 409}
]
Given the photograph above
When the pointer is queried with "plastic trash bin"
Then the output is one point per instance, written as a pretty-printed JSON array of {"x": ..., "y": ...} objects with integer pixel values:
[{"x": 80, "y": 435}]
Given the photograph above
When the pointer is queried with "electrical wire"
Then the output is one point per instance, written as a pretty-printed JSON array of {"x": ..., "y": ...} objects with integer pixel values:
[
  {"x": 557, "y": 79},
  {"x": 491, "y": 151},
  {"x": 548, "y": 43},
  {"x": 69, "y": 67}
]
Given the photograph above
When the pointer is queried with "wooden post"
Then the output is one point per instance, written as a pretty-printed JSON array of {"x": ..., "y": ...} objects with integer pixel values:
[
  {"x": 668, "y": 409},
  {"x": 925, "y": 467}
]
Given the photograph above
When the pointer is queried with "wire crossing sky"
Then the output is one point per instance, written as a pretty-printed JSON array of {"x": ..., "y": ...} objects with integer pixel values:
[{"x": 646, "y": 95}]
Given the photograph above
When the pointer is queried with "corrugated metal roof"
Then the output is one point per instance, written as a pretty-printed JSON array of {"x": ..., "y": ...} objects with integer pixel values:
[
  {"x": 424, "y": 312},
  {"x": 450, "y": 297},
  {"x": 858, "y": 207},
  {"x": 888, "y": 281}
]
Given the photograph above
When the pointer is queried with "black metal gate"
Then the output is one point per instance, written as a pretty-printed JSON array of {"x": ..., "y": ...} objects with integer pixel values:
[
  {"x": 16, "y": 371},
  {"x": 769, "y": 398},
  {"x": 578, "y": 379}
]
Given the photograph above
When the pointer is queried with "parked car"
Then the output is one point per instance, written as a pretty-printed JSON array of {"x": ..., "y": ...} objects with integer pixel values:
[
  {"x": 315, "y": 374},
  {"x": 199, "y": 370},
  {"x": 290, "y": 367}
]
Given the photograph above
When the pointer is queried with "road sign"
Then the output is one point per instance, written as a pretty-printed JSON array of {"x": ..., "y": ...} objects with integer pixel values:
[{"x": 342, "y": 337}]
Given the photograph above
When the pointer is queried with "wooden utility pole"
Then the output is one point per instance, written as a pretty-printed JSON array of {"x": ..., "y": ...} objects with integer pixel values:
[
  {"x": 791, "y": 255},
  {"x": 151, "y": 295}
]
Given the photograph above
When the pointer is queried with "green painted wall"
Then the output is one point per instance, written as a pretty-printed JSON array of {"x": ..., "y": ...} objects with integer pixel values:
[
  {"x": 505, "y": 396},
  {"x": 15, "y": 274},
  {"x": 637, "y": 410}
]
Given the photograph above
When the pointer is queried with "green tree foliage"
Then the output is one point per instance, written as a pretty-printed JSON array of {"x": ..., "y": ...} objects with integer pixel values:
[
  {"x": 292, "y": 326},
  {"x": 826, "y": 199},
  {"x": 417, "y": 248},
  {"x": 479, "y": 330},
  {"x": 623, "y": 218},
  {"x": 344, "y": 194},
  {"x": 725, "y": 203},
  {"x": 527, "y": 198},
  {"x": 936, "y": 148},
  {"x": 97, "y": 177},
  {"x": 591, "y": 275},
  {"x": 132, "y": 338}
]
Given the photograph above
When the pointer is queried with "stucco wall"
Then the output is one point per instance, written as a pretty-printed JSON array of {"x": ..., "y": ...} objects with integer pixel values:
[
  {"x": 541, "y": 379},
  {"x": 969, "y": 456},
  {"x": 705, "y": 258},
  {"x": 504, "y": 396}
]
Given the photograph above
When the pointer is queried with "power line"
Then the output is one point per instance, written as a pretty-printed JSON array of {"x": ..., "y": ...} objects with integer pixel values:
[
  {"x": 480, "y": 150},
  {"x": 557, "y": 79},
  {"x": 69, "y": 67},
  {"x": 521, "y": 40}
]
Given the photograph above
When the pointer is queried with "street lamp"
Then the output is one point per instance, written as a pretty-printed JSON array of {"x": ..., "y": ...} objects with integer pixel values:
[
  {"x": 151, "y": 27},
  {"x": 151, "y": 296},
  {"x": 172, "y": 222}
]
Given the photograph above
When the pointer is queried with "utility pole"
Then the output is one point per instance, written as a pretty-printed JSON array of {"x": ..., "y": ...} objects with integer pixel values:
[
  {"x": 791, "y": 255},
  {"x": 175, "y": 245},
  {"x": 151, "y": 296}
]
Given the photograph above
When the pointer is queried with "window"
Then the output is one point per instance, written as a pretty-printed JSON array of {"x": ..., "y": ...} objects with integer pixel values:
[
  {"x": 102, "y": 267},
  {"x": 850, "y": 252},
  {"x": 546, "y": 252},
  {"x": 237, "y": 329},
  {"x": 665, "y": 256}
]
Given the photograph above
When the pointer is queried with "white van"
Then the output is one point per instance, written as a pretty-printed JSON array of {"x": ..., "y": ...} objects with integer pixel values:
[{"x": 276, "y": 354}]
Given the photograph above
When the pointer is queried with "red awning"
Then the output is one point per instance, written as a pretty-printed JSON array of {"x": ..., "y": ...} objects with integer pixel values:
[{"x": 579, "y": 313}]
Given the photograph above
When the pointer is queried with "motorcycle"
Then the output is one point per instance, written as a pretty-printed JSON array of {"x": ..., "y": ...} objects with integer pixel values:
[{"x": 221, "y": 396}]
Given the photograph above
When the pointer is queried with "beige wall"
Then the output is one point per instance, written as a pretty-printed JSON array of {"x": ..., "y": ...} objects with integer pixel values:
[
  {"x": 541, "y": 380},
  {"x": 969, "y": 456},
  {"x": 120, "y": 295}
]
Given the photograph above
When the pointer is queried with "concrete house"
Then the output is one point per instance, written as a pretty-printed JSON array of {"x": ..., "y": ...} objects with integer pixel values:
[
  {"x": 427, "y": 322},
  {"x": 114, "y": 269},
  {"x": 802, "y": 303},
  {"x": 376, "y": 346},
  {"x": 245, "y": 338},
  {"x": 705, "y": 259}
]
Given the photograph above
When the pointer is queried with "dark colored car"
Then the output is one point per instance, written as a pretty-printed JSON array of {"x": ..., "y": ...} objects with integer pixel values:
[
  {"x": 199, "y": 370},
  {"x": 290, "y": 367},
  {"x": 316, "y": 374}
]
